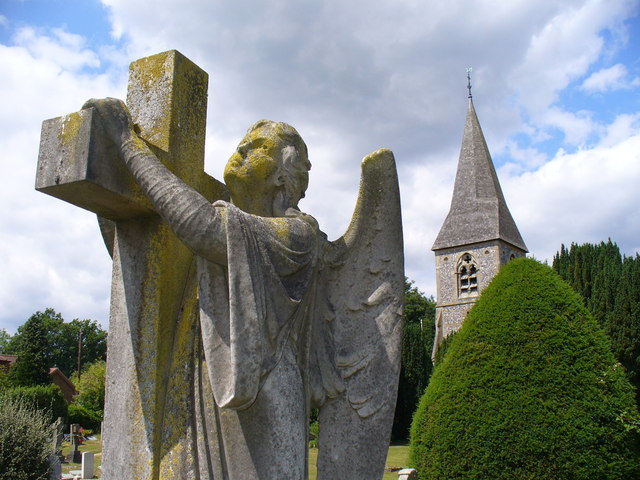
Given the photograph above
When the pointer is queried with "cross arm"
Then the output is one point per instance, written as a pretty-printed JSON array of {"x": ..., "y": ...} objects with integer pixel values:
[{"x": 78, "y": 163}]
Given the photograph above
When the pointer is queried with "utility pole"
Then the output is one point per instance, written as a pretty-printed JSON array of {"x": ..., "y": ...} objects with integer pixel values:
[{"x": 79, "y": 349}]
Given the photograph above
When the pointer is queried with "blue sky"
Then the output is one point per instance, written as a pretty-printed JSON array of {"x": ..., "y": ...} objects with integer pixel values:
[
  {"x": 555, "y": 82},
  {"x": 83, "y": 17}
]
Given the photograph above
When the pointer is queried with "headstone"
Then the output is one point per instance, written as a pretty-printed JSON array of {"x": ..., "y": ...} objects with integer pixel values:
[
  {"x": 74, "y": 435},
  {"x": 407, "y": 474},
  {"x": 56, "y": 457},
  {"x": 87, "y": 465},
  {"x": 55, "y": 467}
]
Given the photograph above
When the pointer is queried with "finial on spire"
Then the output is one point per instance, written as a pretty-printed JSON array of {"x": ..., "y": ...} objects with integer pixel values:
[{"x": 469, "y": 70}]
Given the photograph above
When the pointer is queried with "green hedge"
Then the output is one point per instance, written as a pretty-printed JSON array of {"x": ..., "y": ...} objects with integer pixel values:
[
  {"x": 42, "y": 397},
  {"x": 85, "y": 417},
  {"x": 528, "y": 389}
]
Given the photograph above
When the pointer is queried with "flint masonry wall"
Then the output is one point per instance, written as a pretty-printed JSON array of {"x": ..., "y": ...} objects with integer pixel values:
[{"x": 453, "y": 305}]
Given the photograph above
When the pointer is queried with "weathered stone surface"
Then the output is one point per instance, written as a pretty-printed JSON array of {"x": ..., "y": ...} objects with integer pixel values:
[
  {"x": 218, "y": 384},
  {"x": 478, "y": 210},
  {"x": 88, "y": 465},
  {"x": 77, "y": 163},
  {"x": 478, "y": 225},
  {"x": 153, "y": 320},
  {"x": 408, "y": 474}
]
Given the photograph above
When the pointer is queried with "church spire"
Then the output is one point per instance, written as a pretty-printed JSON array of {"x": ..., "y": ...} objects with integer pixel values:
[{"x": 478, "y": 210}]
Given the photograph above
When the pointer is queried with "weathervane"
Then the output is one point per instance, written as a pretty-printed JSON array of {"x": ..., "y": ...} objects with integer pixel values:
[{"x": 469, "y": 70}]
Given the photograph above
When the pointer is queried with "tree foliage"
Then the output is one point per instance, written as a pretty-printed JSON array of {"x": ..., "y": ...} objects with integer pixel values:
[
  {"x": 45, "y": 340},
  {"x": 417, "y": 343},
  {"x": 87, "y": 408},
  {"x": 528, "y": 389},
  {"x": 4, "y": 340},
  {"x": 610, "y": 285},
  {"x": 91, "y": 387},
  {"x": 31, "y": 344}
]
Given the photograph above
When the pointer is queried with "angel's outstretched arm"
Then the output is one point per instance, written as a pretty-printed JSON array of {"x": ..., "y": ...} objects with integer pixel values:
[{"x": 193, "y": 219}]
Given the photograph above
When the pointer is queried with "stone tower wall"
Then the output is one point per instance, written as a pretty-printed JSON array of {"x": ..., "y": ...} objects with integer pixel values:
[{"x": 452, "y": 304}]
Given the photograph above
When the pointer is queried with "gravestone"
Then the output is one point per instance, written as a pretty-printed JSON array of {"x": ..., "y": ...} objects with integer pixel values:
[
  {"x": 152, "y": 324},
  {"x": 55, "y": 458},
  {"x": 74, "y": 435},
  {"x": 407, "y": 474},
  {"x": 87, "y": 465}
]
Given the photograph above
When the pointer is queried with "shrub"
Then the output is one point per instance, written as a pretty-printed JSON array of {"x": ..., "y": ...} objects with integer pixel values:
[
  {"x": 528, "y": 389},
  {"x": 85, "y": 417},
  {"x": 46, "y": 398},
  {"x": 91, "y": 386},
  {"x": 25, "y": 440}
]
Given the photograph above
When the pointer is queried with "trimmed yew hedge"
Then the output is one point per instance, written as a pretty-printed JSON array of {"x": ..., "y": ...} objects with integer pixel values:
[{"x": 528, "y": 389}]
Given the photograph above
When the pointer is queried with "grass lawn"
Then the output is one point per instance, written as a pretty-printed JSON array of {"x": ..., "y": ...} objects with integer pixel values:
[
  {"x": 94, "y": 446},
  {"x": 397, "y": 457}
]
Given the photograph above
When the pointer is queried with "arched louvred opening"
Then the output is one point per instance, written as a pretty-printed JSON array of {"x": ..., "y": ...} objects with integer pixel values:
[{"x": 467, "y": 273}]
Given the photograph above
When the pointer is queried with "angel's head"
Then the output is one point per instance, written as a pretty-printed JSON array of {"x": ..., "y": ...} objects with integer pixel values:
[{"x": 269, "y": 171}]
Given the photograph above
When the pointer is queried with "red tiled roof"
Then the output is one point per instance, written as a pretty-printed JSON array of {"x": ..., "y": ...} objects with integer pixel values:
[{"x": 8, "y": 359}]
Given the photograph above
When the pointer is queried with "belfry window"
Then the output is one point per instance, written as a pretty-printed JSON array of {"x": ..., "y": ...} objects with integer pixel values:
[{"x": 467, "y": 276}]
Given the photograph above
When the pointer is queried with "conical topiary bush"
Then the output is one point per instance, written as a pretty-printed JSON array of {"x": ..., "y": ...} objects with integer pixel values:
[{"x": 528, "y": 389}]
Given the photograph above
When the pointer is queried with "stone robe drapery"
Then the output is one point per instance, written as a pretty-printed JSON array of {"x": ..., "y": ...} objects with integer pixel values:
[
  {"x": 257, "y": 287},
  {"x": 267, "y": 285},
  {"x": 255, "y": 317}
]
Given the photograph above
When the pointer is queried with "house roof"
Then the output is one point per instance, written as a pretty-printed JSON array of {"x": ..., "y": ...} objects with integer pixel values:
[
  {"x": 66, "y": 386},
  {"x": 8, "y": 359}
]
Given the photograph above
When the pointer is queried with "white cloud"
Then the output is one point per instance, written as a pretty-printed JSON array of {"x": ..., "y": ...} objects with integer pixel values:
[
  {"x": 576, "y": 126},
  {"x": 607, "y": 79},
  {"x": 383, "y": 74},
  {"x": 522, "y": 159},
  {"x": 623, "y": 127},
  {"x": 561, "y": 51},
  {"x": 587, "y": 196},
  {"x": 66, "y": 50},
  {"x": 52, "y": 251}
]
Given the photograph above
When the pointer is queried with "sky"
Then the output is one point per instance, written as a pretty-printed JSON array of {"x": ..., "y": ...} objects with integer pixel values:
[{"x": 556, "y": 88}]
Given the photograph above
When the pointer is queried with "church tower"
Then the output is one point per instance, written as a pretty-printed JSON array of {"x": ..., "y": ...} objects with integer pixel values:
[{"x": 478, "y": 236}]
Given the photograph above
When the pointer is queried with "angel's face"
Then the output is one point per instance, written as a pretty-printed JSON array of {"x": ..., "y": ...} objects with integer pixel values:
[{"x": 252, "y": 172}]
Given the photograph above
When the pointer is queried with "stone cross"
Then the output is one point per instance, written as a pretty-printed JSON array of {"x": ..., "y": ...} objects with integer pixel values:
[
  {"x": 153, "y": 328},
  {"x": 74, "y": 434}
]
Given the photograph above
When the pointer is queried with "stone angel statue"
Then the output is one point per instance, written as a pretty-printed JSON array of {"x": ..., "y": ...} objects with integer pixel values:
[{"x": 288, "y": 320}]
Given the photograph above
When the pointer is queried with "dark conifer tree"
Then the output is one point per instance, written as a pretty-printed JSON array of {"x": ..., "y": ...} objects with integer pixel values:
[
  {"x": 610, "y": 285},
  {"x": 415, "y": 370}
]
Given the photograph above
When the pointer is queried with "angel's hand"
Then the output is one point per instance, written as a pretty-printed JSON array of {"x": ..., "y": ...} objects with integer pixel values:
[{"x": 115, "y": 117}]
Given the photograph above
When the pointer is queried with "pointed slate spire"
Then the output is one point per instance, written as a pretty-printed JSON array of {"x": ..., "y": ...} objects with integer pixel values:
[{"x": 478, "y": 210}]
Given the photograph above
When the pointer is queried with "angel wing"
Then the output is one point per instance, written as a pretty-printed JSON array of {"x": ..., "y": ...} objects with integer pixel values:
[{"x": 361, "y": 328}]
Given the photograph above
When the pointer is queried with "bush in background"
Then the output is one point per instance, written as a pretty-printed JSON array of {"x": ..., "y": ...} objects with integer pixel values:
[
  {"x": 25, "y": 440},
  {"x": 528, "y": 389},
  {"x": 86, "y": 418}
]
